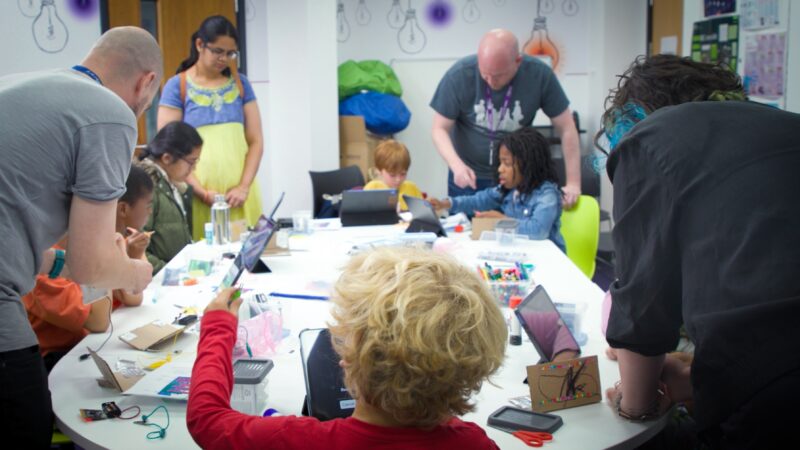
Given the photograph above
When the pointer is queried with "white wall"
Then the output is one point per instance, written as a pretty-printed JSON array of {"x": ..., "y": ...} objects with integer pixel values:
[
  {"x": 297, "y": 95},
  {"x": 20, "y": 52},
  {"x": 693, "y": 12}
]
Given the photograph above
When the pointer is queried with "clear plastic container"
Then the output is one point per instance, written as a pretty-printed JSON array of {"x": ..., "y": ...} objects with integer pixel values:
[
  {"x": 250, "y": 382},
  {"x": 504, "y": 290},
  {"x": 573, "y": 315}
]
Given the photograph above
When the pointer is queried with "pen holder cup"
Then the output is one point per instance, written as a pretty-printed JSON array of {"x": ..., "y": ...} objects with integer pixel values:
[{"x": 504, "y": 290}]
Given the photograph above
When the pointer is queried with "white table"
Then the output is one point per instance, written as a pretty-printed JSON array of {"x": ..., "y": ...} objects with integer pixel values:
[{"x": 318, "y": 258}]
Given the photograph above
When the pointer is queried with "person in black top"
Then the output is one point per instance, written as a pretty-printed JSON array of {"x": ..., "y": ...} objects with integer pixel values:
[{"x": 707, "y": 235}]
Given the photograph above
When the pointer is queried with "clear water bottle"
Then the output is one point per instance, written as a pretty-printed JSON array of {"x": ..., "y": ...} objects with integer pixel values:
[{"x": 221, "y": 220}]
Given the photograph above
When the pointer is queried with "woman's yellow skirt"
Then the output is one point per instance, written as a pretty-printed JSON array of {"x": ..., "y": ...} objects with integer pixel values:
[{"x": 220, "y": 169}]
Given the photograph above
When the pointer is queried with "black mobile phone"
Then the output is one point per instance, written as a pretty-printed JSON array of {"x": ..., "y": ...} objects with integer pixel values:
[{"x": 513, "y": 419}]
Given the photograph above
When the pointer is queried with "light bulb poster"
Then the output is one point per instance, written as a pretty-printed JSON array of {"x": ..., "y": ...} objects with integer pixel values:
[
  {"x": 46, "y": 34},
  {"x": 449, "y": 35},
  {"x": 716, "y": 41}
]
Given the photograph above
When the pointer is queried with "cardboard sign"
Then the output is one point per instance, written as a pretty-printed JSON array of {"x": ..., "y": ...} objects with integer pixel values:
[
  {"x": 481, "y": 224},
  {"x": 111, "y": 379},
  {"x": 564, "y": 384},
  {"x": 150, "y": 335}
]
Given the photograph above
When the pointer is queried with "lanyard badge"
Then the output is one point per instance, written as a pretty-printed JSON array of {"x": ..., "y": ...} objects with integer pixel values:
[{"x": 490, "y": 117}]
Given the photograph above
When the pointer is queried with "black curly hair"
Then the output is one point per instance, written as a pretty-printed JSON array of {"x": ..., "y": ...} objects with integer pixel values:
[
  {"x": 531, "y": 154},
  {"x": 665, "y": 80}
]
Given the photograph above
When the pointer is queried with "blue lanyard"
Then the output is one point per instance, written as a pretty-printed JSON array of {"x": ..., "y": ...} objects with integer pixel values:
[
  {"x": 490, "y": 117},
  {"x": 88, "y": 72}
]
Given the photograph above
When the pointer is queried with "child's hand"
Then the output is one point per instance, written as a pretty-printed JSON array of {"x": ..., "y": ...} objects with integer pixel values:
[
  {"x": 223, "y": 302},
  {"x": 491, "y": 214},
  {"x": 137, "y": 243},
  {"x": 440, "y": 204}
]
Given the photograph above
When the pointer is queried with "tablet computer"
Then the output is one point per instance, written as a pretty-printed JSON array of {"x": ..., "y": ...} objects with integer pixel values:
[
  {"x": 424, "y": 217},
  {"x": 544, "y": 325},
  {"x": 372, "y": 207},
  {"x": 326, "y": 395},
  {"x": 251, "y": 251}
]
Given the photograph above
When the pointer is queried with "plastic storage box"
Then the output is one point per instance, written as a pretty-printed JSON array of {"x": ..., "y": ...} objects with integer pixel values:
[
  {"x": 250, "y": 381},
  {"x": 504, "y": 290}
]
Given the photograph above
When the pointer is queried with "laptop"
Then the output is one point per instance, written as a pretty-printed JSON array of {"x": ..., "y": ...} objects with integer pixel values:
[
  {"x": 372, "y": 207},
  {"x": 544, "y": 325},
  {"x": 326, "y": 395},
  {"x": 424, "y": 218},
  {"x": 249, "y": 256}
]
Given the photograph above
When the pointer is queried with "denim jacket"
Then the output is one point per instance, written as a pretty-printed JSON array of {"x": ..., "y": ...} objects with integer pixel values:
[{"x": 539, "y": 213}]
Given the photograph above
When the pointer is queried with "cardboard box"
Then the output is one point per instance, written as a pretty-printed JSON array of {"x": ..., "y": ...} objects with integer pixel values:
[
  {"x": 353, "y": 148},
  {"x": 356, "y": 145}
]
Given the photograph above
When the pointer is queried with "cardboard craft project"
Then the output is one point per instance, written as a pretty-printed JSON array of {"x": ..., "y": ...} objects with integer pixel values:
[
  {"x": 150, "y": 335},
  {"x": 111, "y": 379},
  {"x": 564, "y": 384},
  {"x": 272, "y": 248},
  {"x": 237, "y": 228},
  {"x": 481, "y": 224}
]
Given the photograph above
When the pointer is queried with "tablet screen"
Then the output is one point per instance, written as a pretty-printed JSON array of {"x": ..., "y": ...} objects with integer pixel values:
[
  {"x": 544, "y": 326},
  {"x": 254, "y": 246},
  {"x": 233, "y": 273}
]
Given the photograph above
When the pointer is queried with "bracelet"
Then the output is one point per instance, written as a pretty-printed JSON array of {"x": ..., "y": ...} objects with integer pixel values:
[
  {"x": 650, "y": 413},
  {"x": 58, "y": 264}
]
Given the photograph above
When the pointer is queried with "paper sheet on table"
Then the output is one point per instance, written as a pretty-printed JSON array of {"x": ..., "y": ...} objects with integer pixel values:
[{"x": 168, "y": 381}]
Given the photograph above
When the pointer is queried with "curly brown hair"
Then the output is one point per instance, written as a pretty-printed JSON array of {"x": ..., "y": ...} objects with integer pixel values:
[{"x": 665, "y": 80}]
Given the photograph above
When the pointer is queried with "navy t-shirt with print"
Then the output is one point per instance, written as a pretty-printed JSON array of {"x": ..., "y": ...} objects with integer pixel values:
[{"x": 461, "y": 96}]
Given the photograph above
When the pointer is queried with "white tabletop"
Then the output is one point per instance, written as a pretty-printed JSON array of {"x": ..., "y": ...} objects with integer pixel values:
[{"x": 315, "y": 262}]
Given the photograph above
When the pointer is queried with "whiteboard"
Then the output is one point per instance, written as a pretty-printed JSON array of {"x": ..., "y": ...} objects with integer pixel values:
[{"x": 75, "y": 24}]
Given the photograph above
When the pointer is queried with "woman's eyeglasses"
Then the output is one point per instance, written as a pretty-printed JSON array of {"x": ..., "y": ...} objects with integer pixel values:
[{"x": 220, "y": 52}]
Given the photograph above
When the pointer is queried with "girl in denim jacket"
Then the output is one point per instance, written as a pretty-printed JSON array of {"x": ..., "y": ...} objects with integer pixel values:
[{"x": 527, "y": 189}]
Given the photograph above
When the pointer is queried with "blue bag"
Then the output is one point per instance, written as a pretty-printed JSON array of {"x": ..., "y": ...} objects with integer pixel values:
[{"x": 383, "y": 113}]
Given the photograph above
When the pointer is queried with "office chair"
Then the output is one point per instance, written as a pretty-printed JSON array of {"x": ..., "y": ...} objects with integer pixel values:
[
  {"x": 333, "y": 182},
  {"x": 580, "y": 227}
]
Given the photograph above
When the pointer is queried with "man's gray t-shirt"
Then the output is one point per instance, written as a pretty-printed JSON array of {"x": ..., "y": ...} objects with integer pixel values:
[
  {"x": 461, "y": 96},
  {"x": 62, "y": 134}
]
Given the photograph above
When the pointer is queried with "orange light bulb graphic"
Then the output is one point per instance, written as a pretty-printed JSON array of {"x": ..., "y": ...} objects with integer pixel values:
[{"x": 540, "y": 45}]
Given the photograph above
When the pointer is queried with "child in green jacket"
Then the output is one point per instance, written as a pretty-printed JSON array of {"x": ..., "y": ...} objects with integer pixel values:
[{"x": 169, "y": 159}]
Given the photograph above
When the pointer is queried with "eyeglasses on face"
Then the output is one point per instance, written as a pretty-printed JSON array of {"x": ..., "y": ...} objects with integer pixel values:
[
  {"x": 220, "y": 52},
  {"x": 191, "y": 163}
]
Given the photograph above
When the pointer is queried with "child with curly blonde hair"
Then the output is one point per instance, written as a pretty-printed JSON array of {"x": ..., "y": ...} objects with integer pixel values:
[{"x": 417, "y": 333}]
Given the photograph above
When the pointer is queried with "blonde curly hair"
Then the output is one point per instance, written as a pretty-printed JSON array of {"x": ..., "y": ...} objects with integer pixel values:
[{"x": 418, "y": 331}]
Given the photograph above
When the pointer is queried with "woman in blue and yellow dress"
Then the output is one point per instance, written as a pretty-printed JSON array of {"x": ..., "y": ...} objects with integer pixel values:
[{"x": 210, "y": 95}]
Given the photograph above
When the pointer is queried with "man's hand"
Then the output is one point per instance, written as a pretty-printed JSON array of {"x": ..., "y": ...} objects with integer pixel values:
[
  {"x": 236, "y": 196},
  {"x": 464, "y": 176},
  {"x": 491, "y": 214},
  {"x": 223, "y": 302},
  {"x": 570, "y": 196},
  {"x": 137, "y": 243},
  {"x": 142, "y": 275}
]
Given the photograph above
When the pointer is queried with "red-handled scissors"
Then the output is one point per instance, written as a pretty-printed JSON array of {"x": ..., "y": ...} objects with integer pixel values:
[{"x": 533, "y": 438}]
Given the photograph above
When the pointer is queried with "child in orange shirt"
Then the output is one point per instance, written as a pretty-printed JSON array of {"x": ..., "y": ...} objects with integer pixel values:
[{"x": 55, "y": 306}]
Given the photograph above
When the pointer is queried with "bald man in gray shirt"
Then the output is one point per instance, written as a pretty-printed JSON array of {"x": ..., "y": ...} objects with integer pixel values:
[{"x": 68, "y": 140}]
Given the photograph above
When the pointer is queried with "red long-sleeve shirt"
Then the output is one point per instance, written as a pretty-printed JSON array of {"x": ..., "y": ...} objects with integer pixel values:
[{"x": 214, "y": 425}]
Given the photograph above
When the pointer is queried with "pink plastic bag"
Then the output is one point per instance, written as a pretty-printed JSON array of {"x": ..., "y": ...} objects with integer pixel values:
[
  {"x": 263, "y": 333},
  {"x": 605, "y": 311}
]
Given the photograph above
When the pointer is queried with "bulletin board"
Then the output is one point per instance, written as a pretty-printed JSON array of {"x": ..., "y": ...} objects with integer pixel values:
[
  {"x": 44, "y": 35},
  {"x": 717, "y": 41}
]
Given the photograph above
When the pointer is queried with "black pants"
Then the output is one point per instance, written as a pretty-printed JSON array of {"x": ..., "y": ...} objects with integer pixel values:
[
  {"x": 768, "y": 420},
  {"x": 26, "y": 414}
]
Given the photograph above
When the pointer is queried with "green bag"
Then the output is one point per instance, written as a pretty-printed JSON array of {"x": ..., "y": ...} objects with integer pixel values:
[{"x": 371, "y": 75}]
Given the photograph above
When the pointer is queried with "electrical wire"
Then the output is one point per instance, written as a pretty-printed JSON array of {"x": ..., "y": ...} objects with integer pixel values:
[{"x": 85, "y": 356}]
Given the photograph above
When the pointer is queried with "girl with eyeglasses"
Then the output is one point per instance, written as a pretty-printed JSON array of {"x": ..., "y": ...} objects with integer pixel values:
[
  {"x": 169, "y": 161},
  {"x": 209, "y": 94}
]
